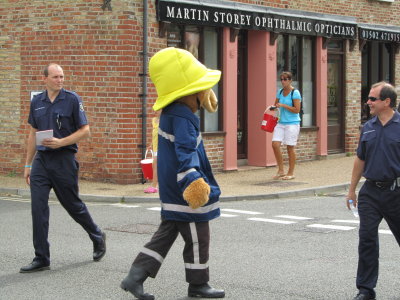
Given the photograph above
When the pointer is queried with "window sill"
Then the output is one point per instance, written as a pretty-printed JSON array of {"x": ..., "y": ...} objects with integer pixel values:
[
  {"x": 309, "y": 128},
  {"x": 213, "y": 133}
]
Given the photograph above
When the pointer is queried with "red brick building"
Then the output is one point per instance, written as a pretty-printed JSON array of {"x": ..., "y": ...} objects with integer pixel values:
[{"x": 335, "y": 49}]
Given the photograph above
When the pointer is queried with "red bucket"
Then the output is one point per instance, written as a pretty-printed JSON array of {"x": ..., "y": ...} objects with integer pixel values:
[
  {"x": 269, "y": 122},
  {"x": 147, "y": 166}
]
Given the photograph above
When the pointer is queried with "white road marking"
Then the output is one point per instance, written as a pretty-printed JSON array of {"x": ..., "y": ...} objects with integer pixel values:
[
  {"x": 383, "y": 231},
  {"x": 155, "y": 208},
  {"x": 10, "y": 198},
  {"x": 335, "y": 227},
  {"x": 228, "y": 215},
  {"x": 271, "y": 221},
  {"x": 293, "y": 217},
  {"x": 347, "y": 221},
  {"x": 246, "y": 212},
  {"x": 124, "y": 205}
]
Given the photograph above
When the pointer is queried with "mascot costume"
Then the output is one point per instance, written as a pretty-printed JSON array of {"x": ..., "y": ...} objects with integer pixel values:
[{"x": 188, "y": 191}]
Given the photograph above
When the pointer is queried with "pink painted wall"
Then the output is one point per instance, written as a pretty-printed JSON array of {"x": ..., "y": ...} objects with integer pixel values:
[
  {"x": 229, "y": 83},
  {"x": 322, "y": 97},
  {"x": 261, "y": 93}
]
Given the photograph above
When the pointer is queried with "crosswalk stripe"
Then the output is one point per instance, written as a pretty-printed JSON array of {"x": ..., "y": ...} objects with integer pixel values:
[
  {"x": 347, "y": 221},
  {"x": 228, "y": 215},
  {"x": 383, "y": 231},
  {"x": 293, "y": 217},
  {"x": 124, "y": 205},
  {"x": 335, "y": 227},
  {"x": 271, "y": 220},
  {"x": 10, "y": 198},
  {"x": 155, "y": 208},
  {"x": 246, "y": 212}
]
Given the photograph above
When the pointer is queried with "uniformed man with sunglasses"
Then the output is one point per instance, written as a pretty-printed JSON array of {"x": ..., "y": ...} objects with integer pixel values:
[{"x": 378, "y": 160}]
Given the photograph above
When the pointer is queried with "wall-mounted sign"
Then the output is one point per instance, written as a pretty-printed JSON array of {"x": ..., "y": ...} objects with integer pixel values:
[
  {"x": 34, "y": 93},
  {"x": 174, "y": 39},
  {"x": 380, "y": 35},
  {"x": 259, "y": 18}
]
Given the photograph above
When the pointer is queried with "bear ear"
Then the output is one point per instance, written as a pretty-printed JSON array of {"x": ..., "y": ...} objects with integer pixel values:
[{"x": 208, "y": 100}]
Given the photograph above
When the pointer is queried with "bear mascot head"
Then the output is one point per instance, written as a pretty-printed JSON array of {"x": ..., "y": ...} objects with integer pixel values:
[{"x": 180, "y": 78}]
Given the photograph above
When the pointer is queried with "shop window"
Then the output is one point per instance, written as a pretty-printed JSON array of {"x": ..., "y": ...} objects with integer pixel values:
[
  {"x": 377, "y": 65},
  {"x": 203, "y": 43},
  {"x": 295, "y": 54}
]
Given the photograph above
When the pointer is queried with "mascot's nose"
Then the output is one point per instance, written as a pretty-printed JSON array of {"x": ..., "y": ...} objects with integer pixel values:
[{"x": 208, "y": 100}]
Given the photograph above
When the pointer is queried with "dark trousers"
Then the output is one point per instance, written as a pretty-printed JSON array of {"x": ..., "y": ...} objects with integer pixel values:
[
  {"x": 57, "y": 170},
  {"x": 374, "y": 204},
  {"x": 195, "y": 254}
]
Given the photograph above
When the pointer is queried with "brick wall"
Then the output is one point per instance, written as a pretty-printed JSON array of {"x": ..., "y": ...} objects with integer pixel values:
[
  {"x": 100, "y": 52},
  {"x": 352, "y": 97},
  {"x": 214, "y": 145}
]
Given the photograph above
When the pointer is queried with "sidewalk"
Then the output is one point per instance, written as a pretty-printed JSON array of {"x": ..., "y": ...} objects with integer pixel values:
[{"x": 249, "y": 183}]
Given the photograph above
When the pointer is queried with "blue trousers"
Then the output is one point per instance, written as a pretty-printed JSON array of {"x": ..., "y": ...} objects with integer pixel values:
[
  {"x": 57, "y": 170},
  {"x": 374, "y": 204}
]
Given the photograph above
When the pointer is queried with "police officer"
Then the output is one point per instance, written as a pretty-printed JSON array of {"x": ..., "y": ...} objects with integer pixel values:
[
  {"x": 378, "y": 160},
  {"x": 52, "y": 164}
]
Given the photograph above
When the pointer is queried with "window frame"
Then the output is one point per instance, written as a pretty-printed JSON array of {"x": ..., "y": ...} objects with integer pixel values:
[
  {"x": 300, "y": 43},
  {"x": 182, "y": 29},
  {"x": 367, "y": 50}
]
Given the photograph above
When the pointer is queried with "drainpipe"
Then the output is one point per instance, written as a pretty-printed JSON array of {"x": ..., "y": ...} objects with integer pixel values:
[{"x": 144, "y": 82}]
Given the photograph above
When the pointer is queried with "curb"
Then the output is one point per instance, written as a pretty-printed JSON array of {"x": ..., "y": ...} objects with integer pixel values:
[{"x": 138, "y": 199}]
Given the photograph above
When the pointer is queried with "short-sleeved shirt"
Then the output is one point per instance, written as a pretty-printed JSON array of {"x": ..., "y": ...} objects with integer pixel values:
[
  {"x": 379, "y": 148},
  {"x": 287, "y": 117},
  {"x": 65, "y": 115}
]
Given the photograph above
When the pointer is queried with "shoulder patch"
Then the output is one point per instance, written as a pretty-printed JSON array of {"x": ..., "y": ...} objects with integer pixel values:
[{"x": 81, "y": 107}]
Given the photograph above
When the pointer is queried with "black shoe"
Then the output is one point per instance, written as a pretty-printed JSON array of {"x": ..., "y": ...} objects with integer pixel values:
[
  {"x": 204, "y": 291},
  {"x": 99, "y": 249},
  {"x": 35, "y": 266},
  {"x": 361, "y": 296},
  {"x": 133, "y": 283}
]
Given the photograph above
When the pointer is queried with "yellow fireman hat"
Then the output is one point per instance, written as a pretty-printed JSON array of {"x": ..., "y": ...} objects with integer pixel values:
[{"x": 176, "y": 73}]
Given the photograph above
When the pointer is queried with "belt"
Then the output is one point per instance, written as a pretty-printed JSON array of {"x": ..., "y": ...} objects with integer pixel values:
[{"x": 394, "y": 183}]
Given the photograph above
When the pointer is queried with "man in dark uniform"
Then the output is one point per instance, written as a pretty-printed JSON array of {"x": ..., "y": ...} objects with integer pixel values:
[
  {"x": 52, "y": 164},
  {"x": 378, "y": 160}
]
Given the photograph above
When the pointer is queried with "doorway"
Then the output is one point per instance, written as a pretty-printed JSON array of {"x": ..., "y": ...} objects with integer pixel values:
[
  {"x": 335, "y": 98},
  {"x": 242, "y": 96}
]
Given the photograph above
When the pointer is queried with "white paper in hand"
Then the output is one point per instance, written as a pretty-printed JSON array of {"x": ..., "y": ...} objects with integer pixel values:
[{"x": 41, "y": 135}]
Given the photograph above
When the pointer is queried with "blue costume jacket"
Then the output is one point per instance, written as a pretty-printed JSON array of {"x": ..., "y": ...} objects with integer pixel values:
[{"x": 181, "y": 159}]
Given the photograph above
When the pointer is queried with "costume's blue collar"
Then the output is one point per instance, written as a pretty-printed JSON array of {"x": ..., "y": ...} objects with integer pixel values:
[{"x": 182, "y": 110}]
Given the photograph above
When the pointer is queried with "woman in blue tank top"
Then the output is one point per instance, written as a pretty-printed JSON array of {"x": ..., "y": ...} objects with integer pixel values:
[{"x": 288, "y": 101}]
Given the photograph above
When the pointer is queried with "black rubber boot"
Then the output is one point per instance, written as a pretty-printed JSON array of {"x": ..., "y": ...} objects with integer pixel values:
[
  {"x": 134, "y": 283},
  {"x": 204, "y": 291}
]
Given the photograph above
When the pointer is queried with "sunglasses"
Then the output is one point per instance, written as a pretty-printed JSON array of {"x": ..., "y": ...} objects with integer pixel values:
[
  {"x": 284, "y": 79},
  {"x": 373, "y": 99}
]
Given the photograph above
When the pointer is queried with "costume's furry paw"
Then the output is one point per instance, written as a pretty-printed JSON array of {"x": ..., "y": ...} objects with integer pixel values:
[
  {"x": 208, "y": 100},
  {"x": 197, "y": 193}
]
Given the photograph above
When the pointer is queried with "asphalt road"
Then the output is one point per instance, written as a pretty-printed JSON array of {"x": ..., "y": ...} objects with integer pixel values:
[{"x": 304, "y": 248}]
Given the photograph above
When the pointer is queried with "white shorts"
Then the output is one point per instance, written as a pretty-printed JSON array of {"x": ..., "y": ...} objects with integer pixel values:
[{"x": 287, "y": 134}]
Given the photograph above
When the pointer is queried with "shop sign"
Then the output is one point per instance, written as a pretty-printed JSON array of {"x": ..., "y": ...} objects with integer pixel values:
[
  {"x": 379, "y": 35},
  {"x": 174, "y": 39},
  {"x": 202, "y": 15}
]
